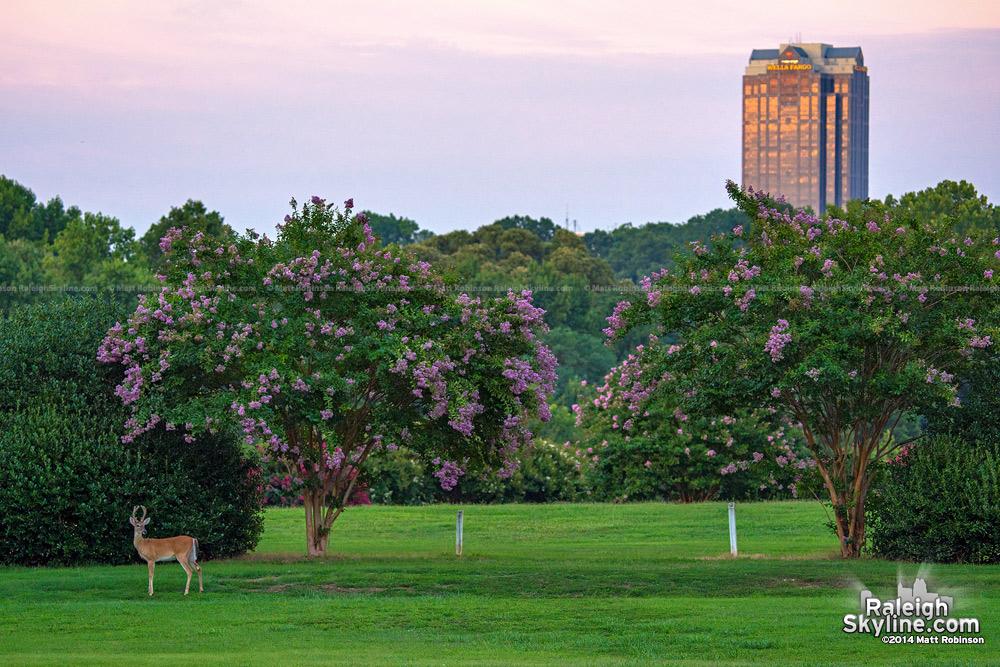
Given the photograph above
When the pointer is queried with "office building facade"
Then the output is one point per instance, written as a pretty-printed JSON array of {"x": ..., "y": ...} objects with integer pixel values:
[{"x": 805, "y": 124}]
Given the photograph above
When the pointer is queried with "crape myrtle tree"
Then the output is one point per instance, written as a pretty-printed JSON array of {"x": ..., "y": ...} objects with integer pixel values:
[
  {"x": 838, "y": 325},
  {"x": 324, "y": 350}
]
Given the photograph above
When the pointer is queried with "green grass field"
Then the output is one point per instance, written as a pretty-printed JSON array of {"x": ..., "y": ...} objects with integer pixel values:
[{"x": 536, "y": 585}]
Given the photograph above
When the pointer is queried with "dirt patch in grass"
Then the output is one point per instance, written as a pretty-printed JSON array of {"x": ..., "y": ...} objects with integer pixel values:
[
  {"x": 279, "y": 588},
  {"x": 807, "y": 583},
  {"x": 290, "y": 559},
  {"x": 828, "y": 555},
  {"x": 350, "y": 591},
  {"x": 831, "y": 555},
  {"x": 293, "y": 587},
  {"x": 284, "y": 559}
]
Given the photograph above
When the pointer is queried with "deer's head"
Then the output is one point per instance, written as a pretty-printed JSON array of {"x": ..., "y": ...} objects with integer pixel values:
[{"x": 139, "y": 524}]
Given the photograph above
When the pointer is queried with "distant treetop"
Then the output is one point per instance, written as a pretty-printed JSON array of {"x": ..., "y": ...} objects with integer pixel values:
[
  {"x": 635, "y": 252},
  {"x": 22, "y": 217},
  {"x": 191, "y": 214},
  {"x": 401, "y": 231}
]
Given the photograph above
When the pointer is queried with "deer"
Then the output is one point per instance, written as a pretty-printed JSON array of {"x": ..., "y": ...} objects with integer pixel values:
[{"x": 183, "y": 549}]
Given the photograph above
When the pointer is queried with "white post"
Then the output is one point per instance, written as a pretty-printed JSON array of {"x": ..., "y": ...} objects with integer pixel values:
[
  {"x": 458, "y": 534},
  {"x": 732, "y": 529}
]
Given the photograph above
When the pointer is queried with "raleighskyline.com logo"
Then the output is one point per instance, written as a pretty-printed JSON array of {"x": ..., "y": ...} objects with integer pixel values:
[{"x": 915, "y": 616}]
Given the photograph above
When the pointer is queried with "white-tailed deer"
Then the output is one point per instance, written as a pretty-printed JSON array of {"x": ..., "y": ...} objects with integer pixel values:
[{"x": 183, "y": 549}]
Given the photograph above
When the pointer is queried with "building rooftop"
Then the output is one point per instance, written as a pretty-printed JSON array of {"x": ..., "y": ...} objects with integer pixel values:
[
  {"x": 764, "y": 54},
  {"x": 822, "y": 57},
  {"x": 842, "y": 52}
]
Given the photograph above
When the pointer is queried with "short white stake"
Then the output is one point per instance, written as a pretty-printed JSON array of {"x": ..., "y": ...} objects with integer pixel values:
[
  {"x": 458, "y": 534},
  {"x": 732, "y": 529}
]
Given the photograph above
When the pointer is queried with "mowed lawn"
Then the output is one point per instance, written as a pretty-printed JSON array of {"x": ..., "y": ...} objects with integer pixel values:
[{"x": 536, "y": 585}]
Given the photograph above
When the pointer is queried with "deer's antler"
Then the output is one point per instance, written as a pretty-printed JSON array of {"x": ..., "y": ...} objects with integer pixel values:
[
  {"x": 134, "y": 510},
  {"x": 143, "y": 512}
]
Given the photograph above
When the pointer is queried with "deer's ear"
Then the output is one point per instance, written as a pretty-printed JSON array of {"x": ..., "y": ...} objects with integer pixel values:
[
  {"x": 146, "y": 521},
  {"x": 131, "y": 520}
]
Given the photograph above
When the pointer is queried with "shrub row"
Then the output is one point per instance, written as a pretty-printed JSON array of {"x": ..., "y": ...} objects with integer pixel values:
[
  {"x": 68, "y": 483},
  {"x": 939, "y": 502}
]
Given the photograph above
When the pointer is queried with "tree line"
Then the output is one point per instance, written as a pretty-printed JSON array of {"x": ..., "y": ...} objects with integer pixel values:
[
  {"x": 575, "y": 278},
  {"x": 707, "y": 377}
]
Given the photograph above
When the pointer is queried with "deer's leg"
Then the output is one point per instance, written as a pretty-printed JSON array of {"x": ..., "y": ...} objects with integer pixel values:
[
  {"x": 187, "y": 568},
  {"x": 152, "y": 564},
  {"x": 194, "y": 564},
  {"x": 193, "y": 559}
]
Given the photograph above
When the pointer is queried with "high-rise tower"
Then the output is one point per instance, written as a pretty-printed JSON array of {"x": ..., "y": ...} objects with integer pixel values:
[{"x": 805, "y": 124}]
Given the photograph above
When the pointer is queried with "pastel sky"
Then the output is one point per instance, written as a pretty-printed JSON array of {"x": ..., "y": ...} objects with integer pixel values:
[{"x": 457, "y": 112}]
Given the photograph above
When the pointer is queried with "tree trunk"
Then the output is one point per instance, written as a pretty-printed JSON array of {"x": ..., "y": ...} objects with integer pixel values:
[
  {"x": 849, "y": 516},
  {"x": 316, "y": 533},
  {"x": 847, "y": 477}
]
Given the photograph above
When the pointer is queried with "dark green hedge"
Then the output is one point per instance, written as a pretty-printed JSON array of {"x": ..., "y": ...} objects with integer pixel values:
[
  {"x": 939, "y": 503},
  {"x": 68, "y": 483}
]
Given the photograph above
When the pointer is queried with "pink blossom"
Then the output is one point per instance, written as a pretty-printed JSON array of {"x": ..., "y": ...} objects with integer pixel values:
[{"x": 778, "y": 340}]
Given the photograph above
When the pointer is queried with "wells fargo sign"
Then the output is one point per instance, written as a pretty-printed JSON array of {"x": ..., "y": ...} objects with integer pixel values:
[{"x": 786, "y": 66}]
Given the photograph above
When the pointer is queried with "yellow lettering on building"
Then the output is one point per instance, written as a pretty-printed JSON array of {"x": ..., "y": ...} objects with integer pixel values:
[{"x": 788, "y": 66}]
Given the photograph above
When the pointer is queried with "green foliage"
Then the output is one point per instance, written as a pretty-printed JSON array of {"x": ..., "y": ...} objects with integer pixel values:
[
  {"x": 543, "y": 228},
  {"x": 510, "y": 254},
  {"x": 978, "y": 417},
  {"x": 96, "y": 251},
  {"x": 562, "y": 425},
  {"x": 85, "y": 243},
  {"x": 45, "y": 248},
  {"x": 50, "y": 219},
  {"x": 949, "y": 205},
  {"x": 193, "y": 215},
  {"x": 27, "y": 228},
  {"x": 21, "y": 272},
  {"x": 547, "y": 473},
  {"x": 22, "y": 217},
  {"x": 938, "y": 502},
  {"x": 17, "y": 205},
  {"x": 401, "y": 231},
  {"x": 636, "y": 252},
  {"x": 401, "y": 477},
  {"x": 560, "y": 272},
  {"x": 581, "y": 356},
  {"x": 68, "y": 483}
]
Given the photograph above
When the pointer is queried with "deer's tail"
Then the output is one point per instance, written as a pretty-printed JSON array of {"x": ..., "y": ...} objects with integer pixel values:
[{"x": 194, "y": 549}]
